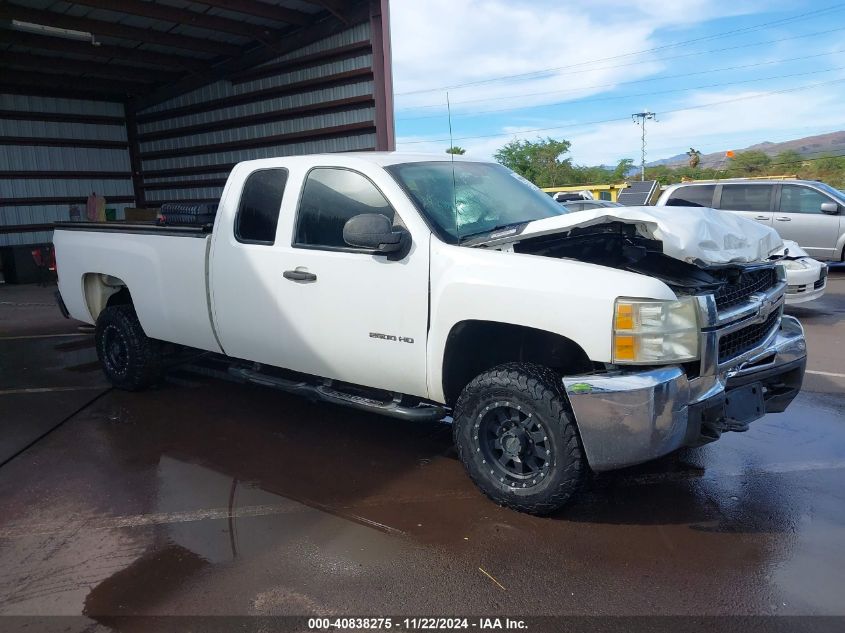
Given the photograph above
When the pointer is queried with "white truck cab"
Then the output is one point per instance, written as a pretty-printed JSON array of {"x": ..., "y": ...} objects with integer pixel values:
[{"x": 417, "y": 287}]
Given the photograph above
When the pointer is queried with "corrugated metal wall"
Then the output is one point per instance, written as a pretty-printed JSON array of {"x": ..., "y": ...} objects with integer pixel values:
[
  {"x": 332, "y": 95},
  {"x": 316, "y": 99},
  {"x": 54, "y": 152}
]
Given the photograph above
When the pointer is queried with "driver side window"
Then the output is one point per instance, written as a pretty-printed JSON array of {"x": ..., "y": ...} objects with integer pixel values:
[{"x": 330, "y": 197}]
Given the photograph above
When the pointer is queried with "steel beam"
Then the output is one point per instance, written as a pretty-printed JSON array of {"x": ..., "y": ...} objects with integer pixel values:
[
  {"x": 43, "y": 42},
  {"x": 262, "y": 10},
  {"x": 186, "y": 17},
  {"x": 127, "y": 74},
  {"x": 112, "y": 29}
]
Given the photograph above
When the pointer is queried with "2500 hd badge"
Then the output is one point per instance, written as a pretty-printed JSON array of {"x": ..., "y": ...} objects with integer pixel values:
[{"x": 391, "y": 337}]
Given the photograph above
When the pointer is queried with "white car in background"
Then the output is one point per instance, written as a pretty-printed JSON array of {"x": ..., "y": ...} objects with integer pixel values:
[{"x": 806, "y": 278}]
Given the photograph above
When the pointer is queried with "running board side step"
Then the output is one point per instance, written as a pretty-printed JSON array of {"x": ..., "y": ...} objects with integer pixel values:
[{"x": 326, "y": 393}]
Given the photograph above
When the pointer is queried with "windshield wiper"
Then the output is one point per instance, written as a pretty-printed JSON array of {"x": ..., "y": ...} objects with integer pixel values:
[{"x": 488, "y": 233}]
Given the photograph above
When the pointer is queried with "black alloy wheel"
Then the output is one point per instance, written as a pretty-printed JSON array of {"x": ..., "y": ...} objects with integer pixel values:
[
  {"x": 517, "y": 438},
  {"x": 514, "y": 443},
  {"x": 130, "y": 359}
]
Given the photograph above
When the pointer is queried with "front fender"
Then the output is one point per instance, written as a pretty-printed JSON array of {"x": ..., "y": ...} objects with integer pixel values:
[{"x": 565, "y": 297}]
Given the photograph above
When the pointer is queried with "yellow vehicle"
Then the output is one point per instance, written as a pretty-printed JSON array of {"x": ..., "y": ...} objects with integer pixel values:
[{"x": 599, "y": 192}]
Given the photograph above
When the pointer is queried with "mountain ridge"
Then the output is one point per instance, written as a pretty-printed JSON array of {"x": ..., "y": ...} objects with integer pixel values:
[{"x": 808, "y": 147}]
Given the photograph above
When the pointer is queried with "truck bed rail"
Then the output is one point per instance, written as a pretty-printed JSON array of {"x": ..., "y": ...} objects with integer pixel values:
[{"x": 149, "y": 228}]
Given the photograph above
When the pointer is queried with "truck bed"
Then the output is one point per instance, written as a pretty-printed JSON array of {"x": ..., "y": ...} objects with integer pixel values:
[{"x": 166, "y": 274}]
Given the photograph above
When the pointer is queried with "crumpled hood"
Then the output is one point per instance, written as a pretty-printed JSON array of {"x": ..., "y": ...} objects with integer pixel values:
[{"x": 696, "y": 235}]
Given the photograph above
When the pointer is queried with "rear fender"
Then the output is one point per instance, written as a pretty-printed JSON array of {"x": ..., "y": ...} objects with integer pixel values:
[{"x": 98, "y": 289}]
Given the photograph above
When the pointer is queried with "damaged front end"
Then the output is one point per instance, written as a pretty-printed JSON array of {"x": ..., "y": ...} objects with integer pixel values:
[
  {"x": 751, "y": 360},
  {"x": 630, "y": 416},
  {"x": 620, "y": 245}
]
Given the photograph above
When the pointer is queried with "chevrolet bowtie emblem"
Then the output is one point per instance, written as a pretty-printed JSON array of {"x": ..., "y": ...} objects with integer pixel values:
[{"x": 766, "y": 306}]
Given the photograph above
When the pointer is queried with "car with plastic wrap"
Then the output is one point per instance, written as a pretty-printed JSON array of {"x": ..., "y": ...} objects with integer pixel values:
[
  {"x": 422, "y": 288},
  {"x": 806, "y": 277},
  {"x": 808, "y": 212}
]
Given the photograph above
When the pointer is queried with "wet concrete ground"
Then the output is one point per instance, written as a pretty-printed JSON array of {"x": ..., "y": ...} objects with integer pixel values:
[{"x": 207, "y": 497}]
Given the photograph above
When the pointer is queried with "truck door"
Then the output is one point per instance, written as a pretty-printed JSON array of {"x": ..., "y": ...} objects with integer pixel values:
[
  {"x": 288, "y": 291},
  {"x": 247, "y": 308},
  {"x": 359, "y": 317}
]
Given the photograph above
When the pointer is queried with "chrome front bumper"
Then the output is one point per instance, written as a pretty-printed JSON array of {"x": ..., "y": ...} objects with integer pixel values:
[{"x": 629, "y": 417}]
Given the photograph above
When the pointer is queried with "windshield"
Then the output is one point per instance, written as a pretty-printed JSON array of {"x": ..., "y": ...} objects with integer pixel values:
[
  {"x": 479, "y": 197},
  {"x": 837, "y": 195}
]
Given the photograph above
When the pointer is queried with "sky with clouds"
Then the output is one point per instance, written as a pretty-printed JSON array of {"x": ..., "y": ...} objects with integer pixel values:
[{"x": 719, "y": 75}]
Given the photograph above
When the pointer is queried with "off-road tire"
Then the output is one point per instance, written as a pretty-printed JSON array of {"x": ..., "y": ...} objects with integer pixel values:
[
  {"x": 130, "y": 359},
  {"x": 533, "y": 392}
]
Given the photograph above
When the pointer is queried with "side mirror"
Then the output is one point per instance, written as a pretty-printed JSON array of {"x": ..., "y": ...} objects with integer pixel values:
[
  {"x": 831, "y": 208},
  {"x": 376, "y": 232}
]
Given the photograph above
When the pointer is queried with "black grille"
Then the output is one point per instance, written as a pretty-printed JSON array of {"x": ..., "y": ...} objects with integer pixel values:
[
  {"x": 822, "y": 278},
  {"x": 749, "y": 282},
  {"x": 736, "y": 343}
]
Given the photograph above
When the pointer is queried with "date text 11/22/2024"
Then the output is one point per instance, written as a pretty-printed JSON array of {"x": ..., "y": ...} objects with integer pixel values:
[{"x": 416, "y": 624}]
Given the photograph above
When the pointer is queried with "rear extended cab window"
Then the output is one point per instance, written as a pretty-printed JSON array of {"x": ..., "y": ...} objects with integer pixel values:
[
  {"x": 692, "y": 196},
  {"x": 258, "y": 210}
]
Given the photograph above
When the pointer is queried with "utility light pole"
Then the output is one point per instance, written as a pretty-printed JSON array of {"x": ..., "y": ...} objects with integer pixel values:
[{"x": 640, "y": 118}]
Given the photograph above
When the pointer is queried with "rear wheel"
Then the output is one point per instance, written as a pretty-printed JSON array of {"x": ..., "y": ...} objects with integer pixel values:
[
  {"x": 129, "y": 358},
  {"x": 517, "y": 438}
]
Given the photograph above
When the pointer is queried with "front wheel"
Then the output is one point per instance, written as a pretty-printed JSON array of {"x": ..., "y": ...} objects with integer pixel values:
[
  {"x": 129, "y": 358},
  {"x": 516, "y": 436}
]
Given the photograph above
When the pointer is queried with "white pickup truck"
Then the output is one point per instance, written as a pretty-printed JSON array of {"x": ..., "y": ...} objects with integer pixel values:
[{"x": 420, "y": 287}]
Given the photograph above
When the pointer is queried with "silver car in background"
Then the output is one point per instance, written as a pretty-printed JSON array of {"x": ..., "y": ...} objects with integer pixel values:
[{"x": 808, "y": 212}]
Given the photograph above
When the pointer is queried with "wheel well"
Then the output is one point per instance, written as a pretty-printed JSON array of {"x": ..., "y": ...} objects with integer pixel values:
[
  {"x": 473, "y": 347},
  {"x": 102, "y": 291}
]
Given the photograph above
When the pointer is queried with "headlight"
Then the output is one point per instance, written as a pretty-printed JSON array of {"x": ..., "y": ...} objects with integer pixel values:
[{"x": 649, "y": 332}]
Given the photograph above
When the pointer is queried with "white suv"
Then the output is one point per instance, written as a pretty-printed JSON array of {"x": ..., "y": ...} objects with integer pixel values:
[{"x": 804, "y": 211}]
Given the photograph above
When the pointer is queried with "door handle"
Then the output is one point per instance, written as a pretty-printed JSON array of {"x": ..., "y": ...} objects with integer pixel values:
[
  {"x": 783, "y": 219},
  {"x": 761, "y": 217},
  {"x": 299, "y": 275}
]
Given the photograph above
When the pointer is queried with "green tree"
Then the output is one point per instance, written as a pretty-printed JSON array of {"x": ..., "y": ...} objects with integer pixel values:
[
  {"x": 539, "y": 161},
  {"x": 545, "y": 163},
  {"x": 456, "y": 150},
  {"x": 663, "y": 174},
  {"x": 830, "y": 164},
  {"x": 750, "y": 163},
  {"x": 788, "y": 161},
  {"x": 622, "y": 168}
]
